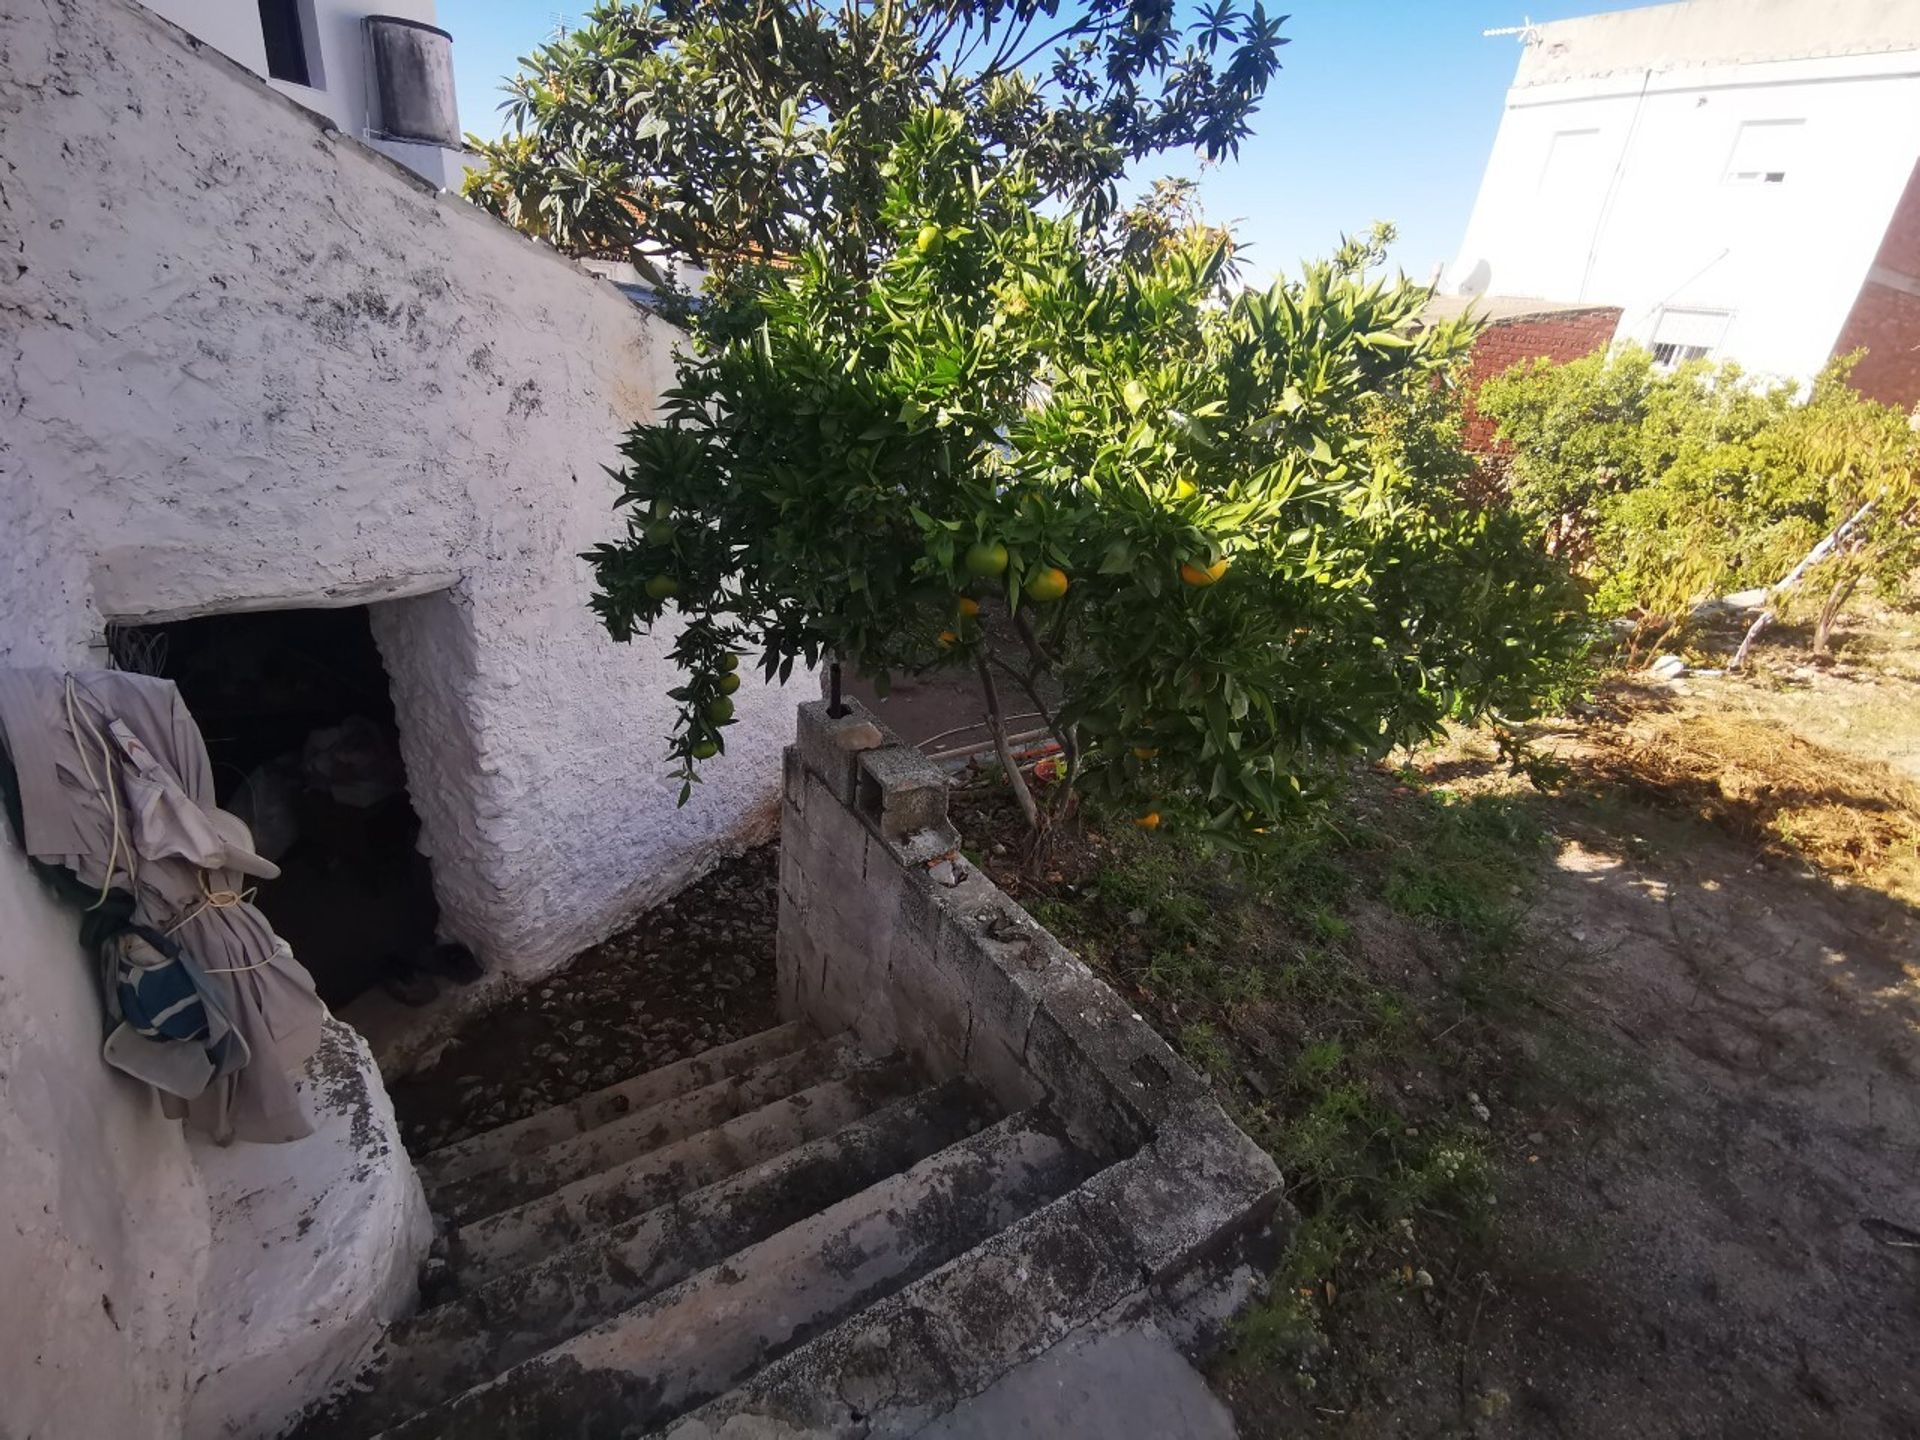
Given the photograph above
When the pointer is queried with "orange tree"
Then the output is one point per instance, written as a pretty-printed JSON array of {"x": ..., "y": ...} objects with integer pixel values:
[{"x": 1218, "y": 527}]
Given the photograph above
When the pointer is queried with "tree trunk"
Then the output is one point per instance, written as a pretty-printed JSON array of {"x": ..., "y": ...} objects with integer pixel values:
[
  {"x": 1002, "y": 747},
  {"x": 1830, "y": 612}
]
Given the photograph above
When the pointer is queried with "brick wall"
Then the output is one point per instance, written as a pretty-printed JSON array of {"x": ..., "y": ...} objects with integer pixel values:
[
  {"x": 1553, "y": 335},
  {"x": 1885, "y": 320}
]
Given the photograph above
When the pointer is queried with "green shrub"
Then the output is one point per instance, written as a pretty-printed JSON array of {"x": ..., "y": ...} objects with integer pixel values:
[
  {"x": 1676, "y": 486},
  {"x": 1214, "y": 517}
]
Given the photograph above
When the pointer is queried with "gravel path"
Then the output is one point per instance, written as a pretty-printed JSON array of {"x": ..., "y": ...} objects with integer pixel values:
[{"x": 689, "y": 974}]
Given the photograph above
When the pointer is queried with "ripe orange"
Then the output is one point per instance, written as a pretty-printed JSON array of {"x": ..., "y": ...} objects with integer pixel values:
[
  {"x": 1149, "y": 821},
  {"x": 1198, "y": 578},
  {"x": 969, "y": 606},
  {"x": 948, "y": 639},
  {"x": 1046, "y": 585},
  {"x": 1145, "y": 752}
]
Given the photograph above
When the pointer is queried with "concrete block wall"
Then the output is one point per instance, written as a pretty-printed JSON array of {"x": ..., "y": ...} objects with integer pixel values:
[{"x": 887, "y": 931}]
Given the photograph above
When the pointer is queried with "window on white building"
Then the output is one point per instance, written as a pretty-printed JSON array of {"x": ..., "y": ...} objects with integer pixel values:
[
  {"x": 1683, "y": 335},
  {"x": 1669, "y": 353},
  {"x": 280, "y": 25},
  {"x": 1573, "y": 162},
  {"x": 1764, "y": 152}
]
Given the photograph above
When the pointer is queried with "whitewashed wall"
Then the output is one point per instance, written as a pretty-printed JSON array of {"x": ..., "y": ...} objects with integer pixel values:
[
  {"x": 247, "y": 364},
  {"x": 103, "y": 1220},
  {"x": 1608, "y": 179}
]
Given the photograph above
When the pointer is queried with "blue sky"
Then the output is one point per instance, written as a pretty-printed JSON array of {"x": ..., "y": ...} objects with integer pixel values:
[{"x": 1385, "y": 109}]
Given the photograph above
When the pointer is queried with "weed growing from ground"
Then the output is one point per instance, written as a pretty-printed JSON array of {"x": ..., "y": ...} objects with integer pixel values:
[{"x": 1267, "y": 969}]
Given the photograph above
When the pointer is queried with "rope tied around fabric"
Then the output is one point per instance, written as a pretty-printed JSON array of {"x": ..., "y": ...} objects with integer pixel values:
[{"x": 211, "y": 899}]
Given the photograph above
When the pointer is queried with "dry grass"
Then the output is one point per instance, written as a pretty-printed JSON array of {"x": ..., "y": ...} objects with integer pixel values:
[{"x": 1846, "y": 814}]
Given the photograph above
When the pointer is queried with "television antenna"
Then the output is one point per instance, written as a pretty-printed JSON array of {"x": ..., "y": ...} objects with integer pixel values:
[
  {"x": 1528, "y": 32},
  {"x": 557, "y": 30}
]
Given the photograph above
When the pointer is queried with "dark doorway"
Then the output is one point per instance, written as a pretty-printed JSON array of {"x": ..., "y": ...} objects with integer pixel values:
[{"x": 299, "y": 724}]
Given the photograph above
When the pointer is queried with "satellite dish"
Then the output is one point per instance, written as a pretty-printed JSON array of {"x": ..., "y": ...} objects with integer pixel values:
[{"x": 1476, "y": 280}]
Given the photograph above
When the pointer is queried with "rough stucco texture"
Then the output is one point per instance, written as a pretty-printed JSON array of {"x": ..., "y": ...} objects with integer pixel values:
[
  {"x": 103, "y": 1224},
  {"x": 158, "y": 1286},
  {"x": 246, "y": 363},
  {"x": 315, "y": 1246}
]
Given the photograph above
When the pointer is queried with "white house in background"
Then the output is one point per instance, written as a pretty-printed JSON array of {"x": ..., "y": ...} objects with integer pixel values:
[
  {"x": 385, "y": 78},
  {"x": 1730, "y": 173}
]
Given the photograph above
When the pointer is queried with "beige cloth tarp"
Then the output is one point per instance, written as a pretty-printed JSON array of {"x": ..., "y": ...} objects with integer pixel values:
[{"x": 115, "y": 786}]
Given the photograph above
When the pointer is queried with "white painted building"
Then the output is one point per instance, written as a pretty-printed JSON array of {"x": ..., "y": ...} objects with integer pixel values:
[
  {"x": 253, "y": 374},
  {"x": 1728, "y": 172},
  {"x": 384, "y": 76}
]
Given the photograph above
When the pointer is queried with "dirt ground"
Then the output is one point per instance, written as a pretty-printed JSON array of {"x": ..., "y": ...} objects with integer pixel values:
[
  {"x": 1709, "y": 1172},
  {"x": 688, "y": 975},
  {"x": 1692, "y": 1074},
  {"x": 1686, "y": 1252}
]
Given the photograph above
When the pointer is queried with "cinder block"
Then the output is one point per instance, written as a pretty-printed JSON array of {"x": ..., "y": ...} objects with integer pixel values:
[
  {"x": 1086, "y": 1043},
  {"x": 996, "y": 1063},
  {"x": 830, "y": 746},
  {"x": 793, "y": 782},
  {"x": 899, "y": 791}
]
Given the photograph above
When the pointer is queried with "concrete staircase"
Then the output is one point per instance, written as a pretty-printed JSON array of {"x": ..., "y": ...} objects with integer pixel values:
[
  {"x": 966, "y": 1189},
  {"x": 616, "y": 1262}
]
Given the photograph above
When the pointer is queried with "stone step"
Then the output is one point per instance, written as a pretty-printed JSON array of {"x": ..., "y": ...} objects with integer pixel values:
[
  {"x": 528, "y": 1177},
  {"x": 428, "y": 1359},
  {"x": 496, "y": 1148},
  {"x": 1068, "y": 1267},
  {"x": 497, "y": 1245},
  {"x": 714, "y": 1329}
]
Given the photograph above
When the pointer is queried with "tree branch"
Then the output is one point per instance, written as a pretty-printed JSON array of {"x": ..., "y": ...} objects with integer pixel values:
[
  {"x": 997, "y": 726},
  {"x": 1041, "y": 654},
  {"x": 1813, "y": 557}
]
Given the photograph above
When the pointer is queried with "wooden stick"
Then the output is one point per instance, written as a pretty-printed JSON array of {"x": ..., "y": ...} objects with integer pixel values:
[{"x": 1812, "y": 558}]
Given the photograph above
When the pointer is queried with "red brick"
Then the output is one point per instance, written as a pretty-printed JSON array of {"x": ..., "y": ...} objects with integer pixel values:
[
  {"x": 1566, "y": 335},
  {"x": 1885, "y": 319}
]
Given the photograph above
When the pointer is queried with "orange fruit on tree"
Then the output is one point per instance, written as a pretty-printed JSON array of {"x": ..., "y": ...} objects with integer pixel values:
[
  {"x": 948, "y": 639},
  {"x": 1046, "y": 584},
  {"x": 1149, "y": 821},
  {"x": 969, "y": 606},
  {"x": 1200, "y": 578},
  {"x": 1145, "y": 752},
  {"x": 986, "y": 559}
]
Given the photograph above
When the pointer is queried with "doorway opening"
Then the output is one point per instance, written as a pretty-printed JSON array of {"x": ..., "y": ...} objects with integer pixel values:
[{"x": 299, "y": 724}]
